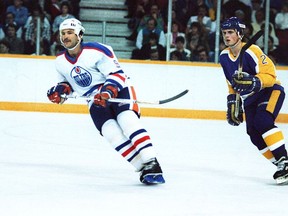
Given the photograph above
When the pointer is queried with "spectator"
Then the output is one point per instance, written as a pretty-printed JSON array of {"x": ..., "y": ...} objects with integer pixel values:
[
  {"x": 37, "y": 11},
  {"x": 55, "y": 50},
  {"x": 174, "y": 34},
  {"x": 52, "y": 7},
  {"x": 174, "y": 19},
  {"x": 16, "y": 45},
  {"x": 212, "y": 35},
  {"x": 231, "y": 6},
  {"x": 271, "y": 32},
  {"x": 256, "y": 5},
  {"x": 65, "y": 14},
  {"x": 145, "y": 51},
  {"x": 185, "y": 53},
  {"x": 21, "y": 13},
  {"x": 222, "y": 46},
  {"x": 240, "y": 14},
  {"x": 248, "y": 32},
  {"x": 195, "y": 37},
  {"x": 184, "y": 10},
  {"x": 212, "y": 8},
  {"x": 202, "y": 55},
  {"x": 144, "y": 34},
  {"x": 131, "y": 8},
  {"x": 273, "y": 52},
  {"x": 154, "y": 55},
  {"x": 202, "y": 18},
  {"x": 10, "y": 19},
  {"x": 56, "y": 46},
  {"x": 212, "y": 11},
  {"x": 260, "y": 24},
  {"x": 275, "y": 7},
  {"x": 135, "y": 20},
  {"x": 4, "y": 47},
  {"x": 41, "y": 49},
  {"x": 281, "y": 25},
  {"x": 155, "y": 13},
  {"x": 260, "y": 18},
  {"x": 162, "y": 3},
  {"x": 29, "y": 4},
  {"x": 175, "y": 56},
  {"x": 75, "y": 9},
  {"x": 31, "y": 35}
]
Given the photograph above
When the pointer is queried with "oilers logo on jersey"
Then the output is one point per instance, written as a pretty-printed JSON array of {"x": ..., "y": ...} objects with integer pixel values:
[{"x": 81, "y": 76}]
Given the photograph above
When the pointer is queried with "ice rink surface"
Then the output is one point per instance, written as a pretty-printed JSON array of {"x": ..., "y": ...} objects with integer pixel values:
[{"x": 54, "y": 164}]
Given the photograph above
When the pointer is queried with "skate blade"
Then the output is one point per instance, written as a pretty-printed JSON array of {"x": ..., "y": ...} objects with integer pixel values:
[
  {"x": 282, "y": 180},
  {"x": 153, "y": 179}
]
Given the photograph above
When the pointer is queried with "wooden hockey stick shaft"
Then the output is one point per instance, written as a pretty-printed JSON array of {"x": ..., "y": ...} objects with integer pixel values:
[
  {"x": 123, "y": 100},
  {"x": 240, "y": 67}
]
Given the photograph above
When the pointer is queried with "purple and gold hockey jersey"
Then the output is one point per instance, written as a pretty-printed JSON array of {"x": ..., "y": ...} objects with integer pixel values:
[{"x": 255, "y": 62}]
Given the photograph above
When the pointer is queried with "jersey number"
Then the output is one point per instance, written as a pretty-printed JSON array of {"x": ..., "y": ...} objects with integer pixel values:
[{"x": 263, "y": 57}]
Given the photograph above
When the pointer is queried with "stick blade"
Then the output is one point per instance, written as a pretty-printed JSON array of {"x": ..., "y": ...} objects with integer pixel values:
[{"x": 181, "y": 94}]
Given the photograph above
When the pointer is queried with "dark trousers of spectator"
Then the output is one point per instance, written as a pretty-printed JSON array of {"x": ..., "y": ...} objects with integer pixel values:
[
  {"x": 283, "y": 45},
  {"x": 30, "y": 47}
]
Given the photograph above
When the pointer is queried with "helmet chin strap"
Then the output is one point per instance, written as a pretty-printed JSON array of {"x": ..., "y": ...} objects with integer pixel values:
[{"x": 79, "y": 41}]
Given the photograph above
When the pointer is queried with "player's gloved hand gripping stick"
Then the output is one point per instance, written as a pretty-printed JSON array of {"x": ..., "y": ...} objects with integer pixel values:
[{"x": 240, "y": 68}]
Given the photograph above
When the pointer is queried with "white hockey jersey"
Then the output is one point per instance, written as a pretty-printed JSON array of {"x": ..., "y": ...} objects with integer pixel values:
[{"x": 95, "y": 65}]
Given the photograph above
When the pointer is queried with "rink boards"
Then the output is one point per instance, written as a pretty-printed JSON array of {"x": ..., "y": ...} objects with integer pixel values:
[{"x": 26, "y": 79}]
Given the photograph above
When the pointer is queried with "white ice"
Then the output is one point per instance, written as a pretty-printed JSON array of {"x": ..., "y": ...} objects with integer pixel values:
[{"x": 55, "y": 164}]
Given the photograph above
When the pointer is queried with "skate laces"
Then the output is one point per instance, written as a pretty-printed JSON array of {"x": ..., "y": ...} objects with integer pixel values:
[
  {"x": 282, "y": 164},
  {"x": 149, "y": 165}
]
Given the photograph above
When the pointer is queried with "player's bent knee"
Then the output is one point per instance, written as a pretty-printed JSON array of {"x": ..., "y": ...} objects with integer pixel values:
[
  {"x": 112, "y": 132},
  {"x": 264, "y": 121}
]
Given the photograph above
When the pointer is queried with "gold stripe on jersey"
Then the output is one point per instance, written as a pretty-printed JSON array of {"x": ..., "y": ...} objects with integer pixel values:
[
  {"x": 265, "y": 67},
  {"x": 273, "y": 101},
  {"x": 273, "y": 138}
]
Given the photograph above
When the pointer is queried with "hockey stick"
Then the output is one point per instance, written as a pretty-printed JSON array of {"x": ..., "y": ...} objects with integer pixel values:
[
  {"x": 240, "y": 66},
  {"x": 123, "y": 100}
]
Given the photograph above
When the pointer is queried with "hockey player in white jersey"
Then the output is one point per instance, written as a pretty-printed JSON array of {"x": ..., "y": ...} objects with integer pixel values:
[{"x": 92, "y": 69}]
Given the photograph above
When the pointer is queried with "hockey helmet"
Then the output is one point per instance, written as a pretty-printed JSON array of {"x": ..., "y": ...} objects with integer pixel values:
[
  {"x": 74, "y": 24},
  {"x": 234, "y": 23}
]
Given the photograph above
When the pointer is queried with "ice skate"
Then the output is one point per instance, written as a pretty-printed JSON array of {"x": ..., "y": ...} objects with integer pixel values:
[
  {"x": 281, "y": 175},
  {"x": 151, "y": 173}
]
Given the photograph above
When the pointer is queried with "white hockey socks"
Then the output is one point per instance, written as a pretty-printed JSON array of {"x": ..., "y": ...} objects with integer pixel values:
[
  {"x": 114, "y": 135},
  {"x": 132, "y": 128}
]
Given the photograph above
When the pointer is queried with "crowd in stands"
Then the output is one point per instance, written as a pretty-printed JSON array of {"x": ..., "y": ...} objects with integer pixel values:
[
  {"x": 19, "y": 20},
  {"x": 194, "y": 26}
]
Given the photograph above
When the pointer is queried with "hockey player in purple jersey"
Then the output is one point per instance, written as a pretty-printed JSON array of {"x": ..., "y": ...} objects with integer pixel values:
[
  {"x": 92, "y": 69},
  {"x": 261, "y": 93}
]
